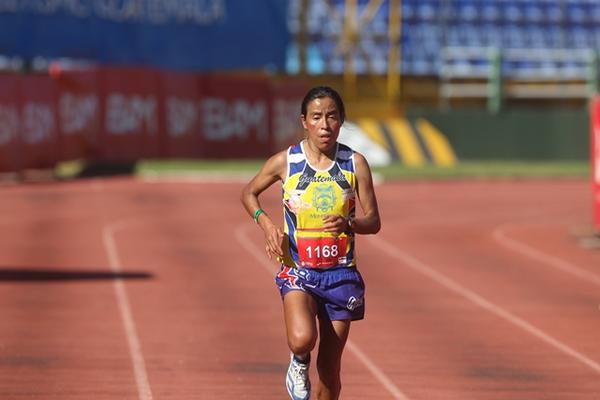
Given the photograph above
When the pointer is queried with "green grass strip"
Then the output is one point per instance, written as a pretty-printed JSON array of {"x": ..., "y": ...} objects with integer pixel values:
[
  {"x": 490, "y": 169},
  {"x": 464, "y": 169}
]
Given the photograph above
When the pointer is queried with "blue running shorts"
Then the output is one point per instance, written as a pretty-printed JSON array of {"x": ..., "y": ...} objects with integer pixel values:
[{"x": 339, "y": 292}]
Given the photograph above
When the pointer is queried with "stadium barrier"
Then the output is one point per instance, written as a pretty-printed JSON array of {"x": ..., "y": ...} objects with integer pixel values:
[
  {"x": 595, "y": 157},
  {"x": 9, "y": 124},
  {"x": 125, "y": 114},
  {"x": 524, "y": 133}
]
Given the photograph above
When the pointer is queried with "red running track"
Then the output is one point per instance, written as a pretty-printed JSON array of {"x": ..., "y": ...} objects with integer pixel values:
[{"x": 124, "y": 289}]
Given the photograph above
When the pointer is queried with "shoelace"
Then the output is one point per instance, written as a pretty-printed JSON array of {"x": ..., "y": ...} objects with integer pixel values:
[{"x": 300, "y": 373}]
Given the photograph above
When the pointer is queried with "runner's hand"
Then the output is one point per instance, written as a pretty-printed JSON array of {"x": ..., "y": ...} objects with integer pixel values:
[
  {"x": 335, "y": 224},
  {"x": 273, "y": 239}
]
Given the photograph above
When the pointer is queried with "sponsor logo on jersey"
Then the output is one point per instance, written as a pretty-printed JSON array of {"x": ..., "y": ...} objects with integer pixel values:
[
  {"x": 324, "y": 198},
  {"x": 305, "y": 178}
]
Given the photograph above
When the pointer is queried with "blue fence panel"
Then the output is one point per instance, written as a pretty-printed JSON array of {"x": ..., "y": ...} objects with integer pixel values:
[{"x": 199, "y": 35}]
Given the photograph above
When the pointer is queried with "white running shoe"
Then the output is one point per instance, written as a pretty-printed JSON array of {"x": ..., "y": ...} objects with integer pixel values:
[{"x": 297, "y": 380}]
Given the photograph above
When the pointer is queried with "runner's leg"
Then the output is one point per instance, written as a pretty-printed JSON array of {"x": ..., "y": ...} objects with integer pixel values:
[
  {"x": 333, "y": 339},
  {"x": 300, "y": 311}
]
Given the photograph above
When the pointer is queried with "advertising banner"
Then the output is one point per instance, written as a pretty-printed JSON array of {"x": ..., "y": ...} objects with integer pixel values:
[
  {"x": 10, "y": 122},
  {"x": 130, "y": 114},
  {"x": 78, "y": 114},
  {"x": 595, "y": 157},
  {"x": 235, "y": 117},
  {"x": 285, "y": 127},
  {"x": 126, "y": 114},
  {"x": 199, "y": 35},
  {"x": 38, "y": 128},
  {"x": 180, "y": 109}
]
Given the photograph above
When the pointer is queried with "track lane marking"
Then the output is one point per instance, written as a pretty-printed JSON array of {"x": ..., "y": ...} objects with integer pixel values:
[
  {"x": 500, "y": 236},
  {"x": 378, "y": 374},
  {"x": 428, "y": 271},
  {"x": 133, "y": 342}
]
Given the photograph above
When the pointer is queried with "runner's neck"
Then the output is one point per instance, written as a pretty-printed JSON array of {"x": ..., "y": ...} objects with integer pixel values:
[{"x": 317, "y": 159}]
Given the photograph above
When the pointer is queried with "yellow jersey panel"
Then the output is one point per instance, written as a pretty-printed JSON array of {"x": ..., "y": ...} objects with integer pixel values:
[{"x": 309, "y": 195}]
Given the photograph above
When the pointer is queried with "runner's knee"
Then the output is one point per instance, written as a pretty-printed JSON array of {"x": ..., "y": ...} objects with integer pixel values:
[{"x": 301, "y": 341}]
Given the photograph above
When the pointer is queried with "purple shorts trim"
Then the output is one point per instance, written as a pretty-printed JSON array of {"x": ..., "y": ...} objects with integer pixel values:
[{"x": 340, "y": 292}]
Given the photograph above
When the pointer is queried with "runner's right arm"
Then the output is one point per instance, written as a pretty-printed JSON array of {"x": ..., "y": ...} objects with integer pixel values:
[{"x": 272, "y": 171}]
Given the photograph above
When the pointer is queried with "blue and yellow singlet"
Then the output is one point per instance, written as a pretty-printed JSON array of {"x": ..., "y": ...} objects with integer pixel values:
[{"x": 309, "y": 194}]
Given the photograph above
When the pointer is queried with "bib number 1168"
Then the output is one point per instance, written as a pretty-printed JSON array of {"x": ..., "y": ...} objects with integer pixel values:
[{"x": 322, "y": 252}]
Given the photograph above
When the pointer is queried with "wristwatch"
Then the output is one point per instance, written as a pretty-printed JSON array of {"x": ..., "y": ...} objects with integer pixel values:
[{"x": 350, "y": 225}]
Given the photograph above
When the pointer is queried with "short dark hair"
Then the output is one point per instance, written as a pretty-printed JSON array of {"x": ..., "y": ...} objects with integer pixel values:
[{"x": 319, "y": 92}]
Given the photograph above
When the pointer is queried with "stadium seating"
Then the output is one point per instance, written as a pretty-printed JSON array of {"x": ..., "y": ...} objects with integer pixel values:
[{"x": 429, "y": 26}]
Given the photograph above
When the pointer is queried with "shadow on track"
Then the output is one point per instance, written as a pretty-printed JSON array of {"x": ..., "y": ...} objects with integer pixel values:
[{"x": 53, "y": 275}]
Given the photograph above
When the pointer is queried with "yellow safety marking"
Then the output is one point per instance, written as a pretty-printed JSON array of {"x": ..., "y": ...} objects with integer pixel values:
[
  {"x": 438, "y": 145},
  {"x": 372, "y": 129},
  {"x": 406, "y": 143}
]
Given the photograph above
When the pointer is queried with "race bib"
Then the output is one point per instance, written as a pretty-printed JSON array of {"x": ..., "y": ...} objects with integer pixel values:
[{"x": 322, "y": 252}]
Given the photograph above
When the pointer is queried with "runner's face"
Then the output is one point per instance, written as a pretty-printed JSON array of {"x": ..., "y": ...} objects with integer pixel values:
[{"x": 322, "y": 123}]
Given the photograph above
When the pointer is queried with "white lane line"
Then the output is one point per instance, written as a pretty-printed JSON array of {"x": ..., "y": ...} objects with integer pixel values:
[
  {"x": 135, "y": 349},
  {"x": 424, "y": 269},
  {"x": 376, "y": 371},
  {"x": 501, "y": 237},
  {"x": 260, "y": 256}
]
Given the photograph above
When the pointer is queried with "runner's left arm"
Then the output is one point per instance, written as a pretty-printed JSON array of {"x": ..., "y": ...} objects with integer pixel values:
[{"x": 369, "y": 222}]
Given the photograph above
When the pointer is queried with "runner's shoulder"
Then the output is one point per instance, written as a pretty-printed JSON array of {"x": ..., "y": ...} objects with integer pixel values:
[
  {"x": 361, "y": 161},
  {"x": 276, "y": 165}
]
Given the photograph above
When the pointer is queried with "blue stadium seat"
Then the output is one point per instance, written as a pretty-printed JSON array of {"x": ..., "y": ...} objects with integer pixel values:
[
  {"x": 377, "y": 27},
  {"x": 533, "y": 13},
  {"x": 555, "y": 37},
  {"x": 466, "y": 11},
  {"x": 336, "y": 65},
  {"x": 579, "y": 37},
  {"x": 576, "y": 12},
  {"x": 379, "y": 58},
  {"x": 596, "y": 35},
  {"x": 513, "y": 37},
  {"x": 490, "y": 12},
  {"x": 292, "y": 63},
  {"x": 453, "y": 37},
  {"x": 426, "y": 11},
  {"x": 553, "y": 11},
  {"x": 293, "y": 21},
  {"x": 512, "y": 11},
  {"x": 360, "y": 65},
  {"x": 491, "y": 35},
  {"x": 594, "y": 13},
  {"x": 408, "y": 11},
  {"x": 316, "y": 13},
  {"x": 471, "y": 35},
  {"x": 315, "y": 64},
  {"x": 536, "y": 37}
]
